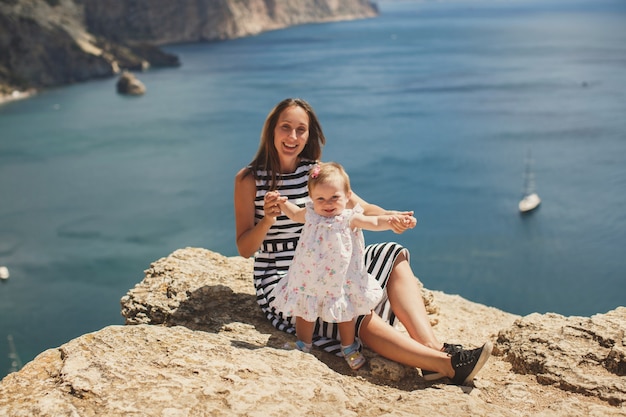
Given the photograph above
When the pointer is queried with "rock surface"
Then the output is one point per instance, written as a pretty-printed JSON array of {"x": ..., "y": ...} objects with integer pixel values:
[
  {"x": 578, "y": 354},
  {"x": 197, "y": 344}
]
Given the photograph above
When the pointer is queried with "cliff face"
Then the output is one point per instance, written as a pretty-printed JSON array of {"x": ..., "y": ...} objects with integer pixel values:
[
  {"x": 41, "y": 45},
  {"x": 166, "y": 22},
  {"x": 54, "y": 42},
  {"x": 197, "y": 344}
]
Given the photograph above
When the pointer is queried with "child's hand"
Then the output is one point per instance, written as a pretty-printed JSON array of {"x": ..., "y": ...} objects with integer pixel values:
[
  {"x": 401, "y": 222},
  {"x": 409, "y": 221}
]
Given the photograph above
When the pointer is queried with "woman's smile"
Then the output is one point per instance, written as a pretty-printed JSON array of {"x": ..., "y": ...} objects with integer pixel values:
[{"x": 292, "y": 131}]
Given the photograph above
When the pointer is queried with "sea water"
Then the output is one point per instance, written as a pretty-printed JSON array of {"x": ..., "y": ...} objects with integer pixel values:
[{"x": 431, "y": 107}]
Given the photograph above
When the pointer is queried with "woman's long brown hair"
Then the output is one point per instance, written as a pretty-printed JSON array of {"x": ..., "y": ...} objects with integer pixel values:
[{"x": 266, "y": 158}]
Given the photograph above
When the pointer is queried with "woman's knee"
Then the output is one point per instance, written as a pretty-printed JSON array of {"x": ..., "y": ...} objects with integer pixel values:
[
  {"x": 402, "y": 257},
  {"x": 373, "y": 326},
  {"x": 362, "y": 324},
  {"x": 401, "y": 267}
]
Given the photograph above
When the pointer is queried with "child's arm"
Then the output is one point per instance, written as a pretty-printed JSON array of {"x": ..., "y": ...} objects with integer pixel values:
[
  {"x": 380, "y": 222},
  {"x": 291, "y": 210}
]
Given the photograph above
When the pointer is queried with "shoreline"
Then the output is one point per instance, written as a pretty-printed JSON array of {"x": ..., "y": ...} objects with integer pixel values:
[{"x": 17, "y": 95}]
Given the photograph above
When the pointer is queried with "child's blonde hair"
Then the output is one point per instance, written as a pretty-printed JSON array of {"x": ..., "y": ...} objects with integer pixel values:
[{"x": 325, "y": 172}]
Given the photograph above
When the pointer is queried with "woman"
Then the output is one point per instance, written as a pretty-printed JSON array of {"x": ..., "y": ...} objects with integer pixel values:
[{"x": 291, "y": 143}]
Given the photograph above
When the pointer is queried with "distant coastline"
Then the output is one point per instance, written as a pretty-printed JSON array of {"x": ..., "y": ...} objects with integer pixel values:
[
  {"x": 50, "y": 43},
  {"x": 17, "y": 95}
]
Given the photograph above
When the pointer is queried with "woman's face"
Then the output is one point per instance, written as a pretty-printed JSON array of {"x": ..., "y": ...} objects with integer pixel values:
[
  {"x": 291, "y": 132},
  {"x": 329, "y": 198}
]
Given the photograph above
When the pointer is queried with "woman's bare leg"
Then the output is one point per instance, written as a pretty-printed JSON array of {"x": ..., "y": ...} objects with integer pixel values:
[
  {"x": 385, "y": 340},
  {"x": 408, "y": 305}
]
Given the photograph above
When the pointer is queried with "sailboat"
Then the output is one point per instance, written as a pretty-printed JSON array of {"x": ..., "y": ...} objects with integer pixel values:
[
  {"x": 530, "y": 199},
  {"x": 16, "y": 362}
]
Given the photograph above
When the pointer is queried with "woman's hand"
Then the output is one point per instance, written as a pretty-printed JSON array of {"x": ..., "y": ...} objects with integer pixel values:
[
  {"x": 271, "y": 205},
  {"x": 402, "y": 221}
]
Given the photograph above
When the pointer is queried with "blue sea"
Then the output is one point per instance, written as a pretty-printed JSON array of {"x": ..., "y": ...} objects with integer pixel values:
[{"x": 431, "y": 107}]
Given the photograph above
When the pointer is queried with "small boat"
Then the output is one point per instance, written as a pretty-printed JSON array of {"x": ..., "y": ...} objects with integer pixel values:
[
  {"x": 529, "y": 202},
  {"x": 530, "y": 199},
  {"x": 4, "y": 272}
]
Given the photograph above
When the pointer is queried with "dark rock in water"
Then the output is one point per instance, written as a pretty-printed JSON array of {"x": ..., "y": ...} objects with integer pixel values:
[{"x": 129, "y": 84}]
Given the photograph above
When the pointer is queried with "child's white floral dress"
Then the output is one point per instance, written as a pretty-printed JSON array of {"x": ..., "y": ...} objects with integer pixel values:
[{"x": 327, "y": 278}]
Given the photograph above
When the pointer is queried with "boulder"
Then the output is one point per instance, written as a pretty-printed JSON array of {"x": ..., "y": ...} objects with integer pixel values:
[
  {"x": 129, "y": 84},
  {"x": 585, "y": 355}
]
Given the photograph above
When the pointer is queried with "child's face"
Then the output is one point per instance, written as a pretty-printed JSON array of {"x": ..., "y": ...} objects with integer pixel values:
[{"x": 329, "y": 199}]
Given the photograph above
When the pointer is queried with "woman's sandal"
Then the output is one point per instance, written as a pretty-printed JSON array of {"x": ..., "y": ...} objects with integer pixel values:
[{"x": 353, "y": 357}]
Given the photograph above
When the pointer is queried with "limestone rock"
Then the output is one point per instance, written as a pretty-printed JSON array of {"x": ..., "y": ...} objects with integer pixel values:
[
  {"x": 579, "y": 354},
  {"x": 186, "y": 287},
  {"x": 130, "y": 85},
  {"x": 154, "y": 371},
  {"x": 196, "y": 343}
]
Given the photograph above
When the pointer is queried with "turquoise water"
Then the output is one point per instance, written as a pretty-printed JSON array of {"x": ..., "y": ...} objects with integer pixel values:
[{"x": 431, "y": 107}]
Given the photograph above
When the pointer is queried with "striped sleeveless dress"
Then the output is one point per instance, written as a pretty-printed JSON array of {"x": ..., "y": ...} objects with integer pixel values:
[{"x": 272, "y": 260}]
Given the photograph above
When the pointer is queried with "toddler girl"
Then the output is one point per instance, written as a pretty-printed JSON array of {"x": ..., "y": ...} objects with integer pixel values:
[{"x": 327, "y": 278}]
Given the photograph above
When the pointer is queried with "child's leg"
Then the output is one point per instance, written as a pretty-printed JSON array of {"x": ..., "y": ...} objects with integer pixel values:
[
  {"x": 349, "y": 347},
  {"x": 304, "y": 333},
  {"x": 304, "y": 330},
  {"x": 346, "y": 332}
]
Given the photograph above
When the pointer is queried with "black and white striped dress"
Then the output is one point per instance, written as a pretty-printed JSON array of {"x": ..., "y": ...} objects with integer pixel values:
[{"x": 274, "y": 257}]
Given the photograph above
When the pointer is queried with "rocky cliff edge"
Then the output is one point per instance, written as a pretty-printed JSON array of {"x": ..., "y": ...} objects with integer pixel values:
[{"x": 196, "y": 344}]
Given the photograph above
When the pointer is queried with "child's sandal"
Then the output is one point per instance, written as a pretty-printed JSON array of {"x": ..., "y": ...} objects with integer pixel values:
[
  {"x": 353, "y": 357},
  {"x": 297, "y": 345}
]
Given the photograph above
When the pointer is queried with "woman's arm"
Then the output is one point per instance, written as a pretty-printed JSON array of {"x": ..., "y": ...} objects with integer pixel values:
[
  {"x": 250, "y": 236},
  {"x": 368, "y": 209}
]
